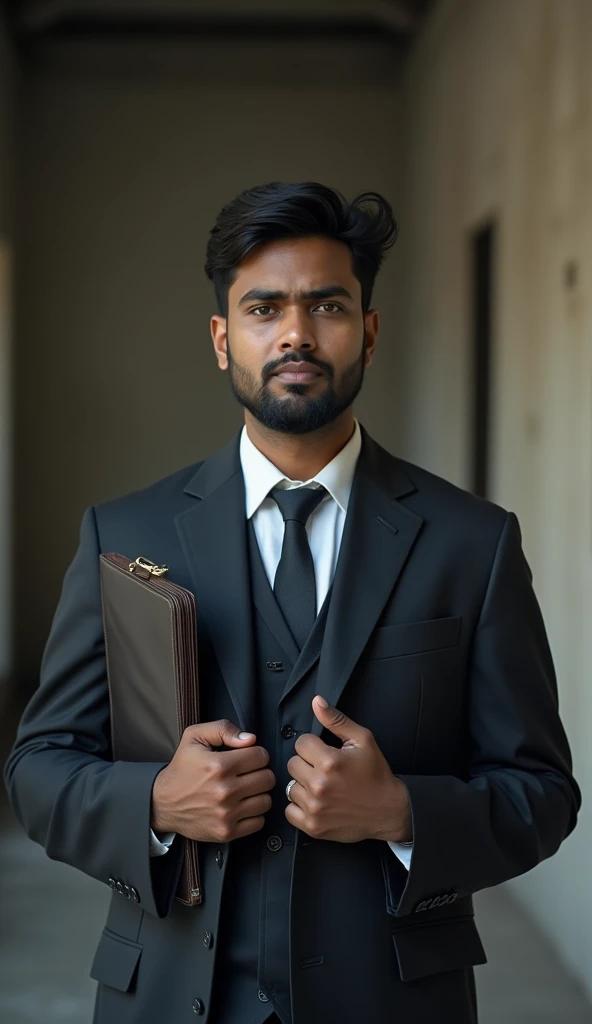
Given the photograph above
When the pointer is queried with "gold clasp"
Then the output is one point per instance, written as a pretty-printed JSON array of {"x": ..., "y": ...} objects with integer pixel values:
[{"x": 151, "y": 567}]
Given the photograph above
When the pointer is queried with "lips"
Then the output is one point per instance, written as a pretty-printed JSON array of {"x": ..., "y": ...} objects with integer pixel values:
[{"x": 297, "y": 372}]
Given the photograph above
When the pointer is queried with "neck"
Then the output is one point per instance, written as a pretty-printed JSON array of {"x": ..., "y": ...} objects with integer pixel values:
[{"x": 301, "y": 456}]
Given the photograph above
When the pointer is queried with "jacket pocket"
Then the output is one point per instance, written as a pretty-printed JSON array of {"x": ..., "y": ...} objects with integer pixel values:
[
  {"x": 116, "y": 961},
  {"x": 414, "y": 637},
  {"x": 432, "y": 947}
]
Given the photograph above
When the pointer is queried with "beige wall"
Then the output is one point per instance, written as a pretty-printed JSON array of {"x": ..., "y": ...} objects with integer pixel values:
[
  {"x": 7, "y": 89},
  {"x": 498, "y": 120},
  {"x": 127, "y": 155}
]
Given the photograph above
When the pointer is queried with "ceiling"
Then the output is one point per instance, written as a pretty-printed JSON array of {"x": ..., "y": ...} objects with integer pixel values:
[{"x": 396, "y": 19}]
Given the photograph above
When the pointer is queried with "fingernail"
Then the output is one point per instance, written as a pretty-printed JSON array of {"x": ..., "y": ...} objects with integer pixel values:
[
  {"x": 245, "y": 735},
  {"x": 321, "y": 700}
]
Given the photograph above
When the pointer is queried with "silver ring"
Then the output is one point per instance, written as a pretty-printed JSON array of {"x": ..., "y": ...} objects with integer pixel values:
[{"x": 291, "y": 783}]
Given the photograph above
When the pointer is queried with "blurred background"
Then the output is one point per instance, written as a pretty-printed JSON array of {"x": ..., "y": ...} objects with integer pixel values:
[{"x": 124, "y": 126}]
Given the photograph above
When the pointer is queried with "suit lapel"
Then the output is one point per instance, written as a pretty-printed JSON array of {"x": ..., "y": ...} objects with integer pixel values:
[
  {"x": 214, "y": 540},
  {"x": 378, "y": 536},
  {"x": 265, "y": 600},
  {"x": 311, "y": 650}
]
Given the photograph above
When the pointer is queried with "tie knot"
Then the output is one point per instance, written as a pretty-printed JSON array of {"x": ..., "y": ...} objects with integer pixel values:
[{"x": 298, "y": 502}]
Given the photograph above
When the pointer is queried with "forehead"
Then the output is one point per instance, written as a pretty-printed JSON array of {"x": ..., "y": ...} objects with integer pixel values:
[{"x": 294, "y": 265}]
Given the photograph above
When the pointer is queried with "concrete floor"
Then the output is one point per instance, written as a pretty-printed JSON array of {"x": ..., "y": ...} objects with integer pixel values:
[{"x": 51, "y": 917}]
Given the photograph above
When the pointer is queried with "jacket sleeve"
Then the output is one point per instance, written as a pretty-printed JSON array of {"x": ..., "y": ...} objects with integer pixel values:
[
  {"x": 519, "y": 799},
  {"x": 70, "y": 797}
]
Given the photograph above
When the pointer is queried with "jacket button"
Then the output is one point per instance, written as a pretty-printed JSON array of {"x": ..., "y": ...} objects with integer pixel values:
[
  {"x": 127, "y": 891},
  {"x": 111, "y": 883},
  {"x": 274, "y": 843},
  {"x": 287, "y": 732},
  {"x": 134, "y": 894},
  {"x": 208, "y": 940},
  {"x": 219, "y": 858},
  {"x": 262, "y": 996},
  {"x": 119, "y": 887},
  {"x": 198, "y": 1006}
]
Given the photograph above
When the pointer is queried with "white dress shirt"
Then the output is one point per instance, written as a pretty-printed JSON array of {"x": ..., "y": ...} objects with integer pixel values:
[{"x": 324, "y": 529}]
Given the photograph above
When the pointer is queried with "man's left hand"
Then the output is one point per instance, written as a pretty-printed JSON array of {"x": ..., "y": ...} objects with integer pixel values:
[{"x": 345, "y": 794}]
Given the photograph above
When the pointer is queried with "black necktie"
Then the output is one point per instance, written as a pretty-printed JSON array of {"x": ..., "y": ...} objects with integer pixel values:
[{"x": 294, "y": 585}]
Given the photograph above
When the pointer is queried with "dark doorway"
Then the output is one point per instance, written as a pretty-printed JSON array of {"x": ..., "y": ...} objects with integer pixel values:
[{"x": 482, "y": 271}]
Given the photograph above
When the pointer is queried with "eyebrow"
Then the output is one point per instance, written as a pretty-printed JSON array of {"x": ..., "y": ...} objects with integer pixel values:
[{"x": 266, "y": 294}]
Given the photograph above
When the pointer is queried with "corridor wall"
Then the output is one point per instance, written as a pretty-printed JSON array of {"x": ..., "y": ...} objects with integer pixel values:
[
  {"x": 127, "y": 153},
  {"x": 497, "y": 123},
  {"x": 7, "y": 229}
]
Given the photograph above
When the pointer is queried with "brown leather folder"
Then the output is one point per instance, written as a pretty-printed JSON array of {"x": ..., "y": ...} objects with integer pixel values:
[{"x": 150, "y": 627}]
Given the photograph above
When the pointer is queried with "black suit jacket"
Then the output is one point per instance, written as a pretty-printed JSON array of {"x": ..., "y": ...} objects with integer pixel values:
[{"x": 434, "y": 640}]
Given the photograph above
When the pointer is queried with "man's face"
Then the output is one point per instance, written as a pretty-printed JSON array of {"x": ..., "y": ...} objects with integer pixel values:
[{"x": 295, "y": 302}]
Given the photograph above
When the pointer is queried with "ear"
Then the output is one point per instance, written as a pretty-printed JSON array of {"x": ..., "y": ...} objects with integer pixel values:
[
  {"x": 371, "y": 326},
  {"x": 218, "y": 332}
]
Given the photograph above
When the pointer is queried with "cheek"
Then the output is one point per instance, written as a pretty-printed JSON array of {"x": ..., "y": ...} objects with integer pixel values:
[
  {"x": 345, "y": 335},
  {"x": 254, "y": 351},
  {"x": 244, "y": 356}
]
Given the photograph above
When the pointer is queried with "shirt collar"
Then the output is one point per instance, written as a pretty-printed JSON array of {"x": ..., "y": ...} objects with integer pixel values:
[{"x": 261, "y": 475}]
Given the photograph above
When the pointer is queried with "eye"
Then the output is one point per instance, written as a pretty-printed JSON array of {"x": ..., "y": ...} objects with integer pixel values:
[
  {"x": 334, "y": 304},
  {"x": 267, "y": 308}
]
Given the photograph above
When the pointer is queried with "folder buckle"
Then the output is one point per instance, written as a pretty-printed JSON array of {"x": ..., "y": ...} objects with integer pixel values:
[{"x": 151, "y": 567}]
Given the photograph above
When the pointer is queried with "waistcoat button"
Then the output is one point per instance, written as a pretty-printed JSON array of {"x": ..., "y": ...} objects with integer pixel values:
[
  {"x": 274, "y": 843},
  {"x": 219, "y": 858},
  {"x": 287, "y": 732},
  {"x": 263, "y": 997},
  {"x": 198, "y": 1006}
]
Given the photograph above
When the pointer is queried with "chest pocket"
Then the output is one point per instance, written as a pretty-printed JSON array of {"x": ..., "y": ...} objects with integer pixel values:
[{"x": 407, "y": 638}]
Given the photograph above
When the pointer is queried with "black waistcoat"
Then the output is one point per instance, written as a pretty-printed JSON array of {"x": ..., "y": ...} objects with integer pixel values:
[{"x": 252, "y": 977}]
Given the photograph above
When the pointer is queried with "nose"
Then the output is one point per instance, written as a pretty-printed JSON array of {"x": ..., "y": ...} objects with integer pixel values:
[{"x": 296, "y": 332}]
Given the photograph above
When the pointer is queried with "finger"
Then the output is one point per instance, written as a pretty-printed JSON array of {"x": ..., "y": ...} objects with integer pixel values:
[
  {"x": 336, "y": 721},
  {"x": 301, "y": 770},
  {"x": 311, "y": 748},
  {"x": 250, "y": 759},
  {"x": 220, "y": 733},
  {"x": 253, "y": 806},
  {"x": 246, "y": 826},
  {"x": 295, "y": 815},
  {"x": 254, "y": 783}
]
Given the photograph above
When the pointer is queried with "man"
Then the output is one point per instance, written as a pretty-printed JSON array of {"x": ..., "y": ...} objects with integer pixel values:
[{"x": 379, "y": 732}]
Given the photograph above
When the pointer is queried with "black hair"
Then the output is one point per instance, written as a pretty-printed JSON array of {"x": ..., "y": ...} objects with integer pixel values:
[{"x": 280, "y": 210}]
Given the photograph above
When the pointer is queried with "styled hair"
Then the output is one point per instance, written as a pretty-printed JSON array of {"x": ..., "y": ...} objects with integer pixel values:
[{"x": 281, "y": 210}]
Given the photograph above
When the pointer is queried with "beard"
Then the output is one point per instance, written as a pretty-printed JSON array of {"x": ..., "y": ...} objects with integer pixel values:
[{"x": 296, "y": 411}]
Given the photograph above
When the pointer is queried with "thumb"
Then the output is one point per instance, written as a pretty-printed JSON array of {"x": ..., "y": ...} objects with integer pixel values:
[
  {"x": 335, "y": 721},
  {"x": 219, "y": 733}
]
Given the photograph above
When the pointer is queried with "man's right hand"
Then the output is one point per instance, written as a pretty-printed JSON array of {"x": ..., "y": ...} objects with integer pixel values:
[{"x": 213, "y": 795}]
